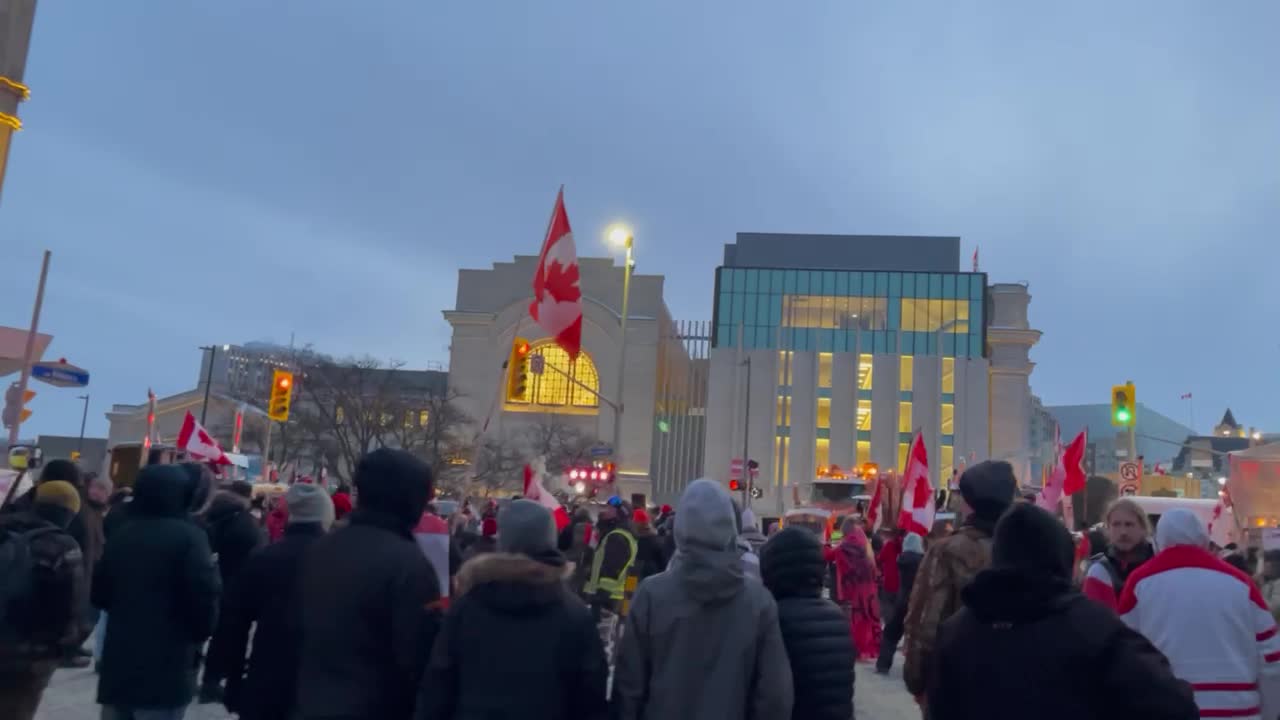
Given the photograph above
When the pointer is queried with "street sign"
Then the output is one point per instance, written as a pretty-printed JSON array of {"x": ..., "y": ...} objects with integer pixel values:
[
  {"x": 735, "y": 469},
  {"x": 537, "y": 364},
  {"x": 600, "y": 450},
  {"x": 1128, "y": 489},
  {"x": 1129, "y": 472},
  {"x": 60, "y": 374},
  {"x": 756, "y": 492}
]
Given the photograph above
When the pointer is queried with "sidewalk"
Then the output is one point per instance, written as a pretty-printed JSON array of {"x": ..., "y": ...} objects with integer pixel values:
[{"x": 882, "y": 697}]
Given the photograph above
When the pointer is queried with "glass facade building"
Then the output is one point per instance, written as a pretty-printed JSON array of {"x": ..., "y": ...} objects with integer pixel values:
[{"x": 906, "y": 313}]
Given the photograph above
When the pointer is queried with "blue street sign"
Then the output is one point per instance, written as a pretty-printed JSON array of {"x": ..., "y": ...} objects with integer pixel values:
[
  {"x": 60, "y": 374},
  {"x": 601, "y": 450}
]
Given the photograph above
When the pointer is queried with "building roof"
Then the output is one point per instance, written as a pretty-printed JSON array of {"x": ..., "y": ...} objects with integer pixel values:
[
  {"x": 1229, "y": 420},
  {"x": 1218, "y": 445},
  {"x": 920, "y": 253}
]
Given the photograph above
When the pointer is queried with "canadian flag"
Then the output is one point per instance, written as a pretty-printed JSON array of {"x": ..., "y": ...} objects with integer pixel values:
[
  {"x": 535, "y": 491},
  {"x": 1068, "y": 476},
  {"x": 199, "y": 444},
  {"x": 557, "y": 298},
  {"x": 873, "y": 509},
  {"x": 917, "y": 492},
  {"x": 1224, "y": 502}
]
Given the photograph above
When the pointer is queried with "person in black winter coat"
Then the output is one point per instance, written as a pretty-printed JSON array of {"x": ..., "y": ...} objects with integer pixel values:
[
  {"x": 264, "y": 593},
  {"x": 372, "y": 601},
  {"x": 1027, "y": 645},
  {"x": 158, "y": 582},
  {"x": 233, "y": 533},
  {"x": 908, "y": 565},
  {"x": 814, "y": 629},
  {"x": 516, "y": 642}
]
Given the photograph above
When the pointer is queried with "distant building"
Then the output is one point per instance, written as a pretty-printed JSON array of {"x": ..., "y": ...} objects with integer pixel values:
[
  {"x": 845, "y": 345},
  {"x": 1041, "y": 436},
  {"x": 1158, "y": 440},
  {"x": 1204, "y": 457}
]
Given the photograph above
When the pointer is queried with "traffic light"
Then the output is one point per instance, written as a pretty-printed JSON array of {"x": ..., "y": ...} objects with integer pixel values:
[
  {"x": 281, "y": 395},
  {"x": 15, "y": 411},
  {"x": 735, "y": 486},
  {"x": 1123, "y": 405},
  {"x": 518, "y": 370}
]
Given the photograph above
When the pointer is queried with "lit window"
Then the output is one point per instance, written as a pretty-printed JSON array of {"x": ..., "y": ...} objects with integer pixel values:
[
  {"x": 824, "y": 370},
  {"x": 948, "y": 419},
  {"x": 780, "y": 458},
  {"x": 784, "y": 368},
  {"x": 948, "y": 375},
  {"x": 906, "y": 368},
  {"x": 904, "y": 417},
  {"x": 921, "y": 315},
  {"x": 864, "y": 414},
  {"x": 424, "y": 417},
  {"x": 864, "y": 371},
  {"x": 821, "y": 453},
  {"x": 864, "y": 452},
  {"x": 948, "y": 463},
  {"x": 553, "y": 386},
  {"x": 824, "y": 413},
  {"x": 902, "y": 456},
  {"x": 784, "y": 411}
]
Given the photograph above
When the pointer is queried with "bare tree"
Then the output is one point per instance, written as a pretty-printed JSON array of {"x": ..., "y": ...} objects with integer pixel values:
[
  {"x": 498, "y": 463},
  {"x": 561, "y": 444}
]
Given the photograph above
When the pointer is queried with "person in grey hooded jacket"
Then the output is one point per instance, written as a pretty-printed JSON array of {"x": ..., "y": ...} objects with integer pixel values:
[{"x": 701, "y": 642}]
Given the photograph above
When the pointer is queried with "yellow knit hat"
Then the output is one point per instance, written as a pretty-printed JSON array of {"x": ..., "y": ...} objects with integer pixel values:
[{"x": 60, "y": 493}]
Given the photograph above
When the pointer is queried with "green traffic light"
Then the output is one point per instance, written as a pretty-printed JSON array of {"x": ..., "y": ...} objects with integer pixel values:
[{"x": 1122, "y": 416}]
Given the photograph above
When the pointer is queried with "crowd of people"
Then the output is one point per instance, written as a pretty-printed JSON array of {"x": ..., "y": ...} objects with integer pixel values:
[{"x": 365, "y": 604}]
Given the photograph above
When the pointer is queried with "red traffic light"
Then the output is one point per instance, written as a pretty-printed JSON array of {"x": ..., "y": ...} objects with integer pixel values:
[
  {"x": 284, "y": 383},
  {"x": 735, "y": 486},
  {"x": 522, "y": 349}
]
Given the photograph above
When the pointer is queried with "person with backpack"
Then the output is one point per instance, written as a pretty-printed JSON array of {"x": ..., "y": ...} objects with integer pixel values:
[
  {"x": 43, "y": 596},
  {"x": 1128, "y": 548}
]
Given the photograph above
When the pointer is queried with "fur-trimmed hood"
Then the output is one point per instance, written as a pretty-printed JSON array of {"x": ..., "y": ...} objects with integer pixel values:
[{"x": 512, "y": 583}]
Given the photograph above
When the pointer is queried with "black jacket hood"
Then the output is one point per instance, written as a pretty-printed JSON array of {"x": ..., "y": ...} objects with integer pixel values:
[
  {"x": 1009, "y": 596},
  {"x": 224, "y": 505},
  {"x": 162, "y": 491},
  {"x": 791, "y": 564},
  {"x": 513, "y": 584}
]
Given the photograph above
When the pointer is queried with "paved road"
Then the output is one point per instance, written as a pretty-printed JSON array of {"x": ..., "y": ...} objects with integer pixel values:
[{"x": 70, "y": 697}]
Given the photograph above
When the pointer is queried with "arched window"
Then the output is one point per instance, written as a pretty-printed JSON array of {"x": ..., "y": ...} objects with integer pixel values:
[{"x": 553, "y": 387}]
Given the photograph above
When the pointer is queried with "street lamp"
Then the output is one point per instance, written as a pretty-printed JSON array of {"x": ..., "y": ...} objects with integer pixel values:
[
  {"x": 620, "y": 236},
  {"x": 208, "y": 379}
]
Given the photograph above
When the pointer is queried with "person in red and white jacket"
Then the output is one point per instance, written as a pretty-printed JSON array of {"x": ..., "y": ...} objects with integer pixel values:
[{"x": 1209, "y": 619}]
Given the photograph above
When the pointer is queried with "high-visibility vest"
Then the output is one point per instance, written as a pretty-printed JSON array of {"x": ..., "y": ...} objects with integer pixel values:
[{"x": 612, "y": 585}]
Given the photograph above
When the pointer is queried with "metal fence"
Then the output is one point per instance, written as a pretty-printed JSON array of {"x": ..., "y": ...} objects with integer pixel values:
[{"x": 679, "y": 439}]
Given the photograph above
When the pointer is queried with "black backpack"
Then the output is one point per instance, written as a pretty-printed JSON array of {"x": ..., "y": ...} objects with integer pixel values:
[{"x": 17, "y": 571}]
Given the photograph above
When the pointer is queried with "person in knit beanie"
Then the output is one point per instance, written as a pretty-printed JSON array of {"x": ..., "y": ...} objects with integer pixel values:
[
  {"x": 262, "y": 595},
  {"x": 50, "y": 620},
  {"x": 513, "y": 617}
]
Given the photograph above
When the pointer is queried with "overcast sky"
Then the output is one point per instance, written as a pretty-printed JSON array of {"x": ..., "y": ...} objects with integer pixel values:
[{"x": 210, "y": 172}]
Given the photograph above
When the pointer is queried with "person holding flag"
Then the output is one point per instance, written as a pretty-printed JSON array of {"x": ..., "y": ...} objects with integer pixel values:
[{"x": 986, "y": 490}]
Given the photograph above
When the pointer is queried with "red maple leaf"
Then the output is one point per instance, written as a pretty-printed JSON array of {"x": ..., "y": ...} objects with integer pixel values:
[{"x": 562, "y": 282}]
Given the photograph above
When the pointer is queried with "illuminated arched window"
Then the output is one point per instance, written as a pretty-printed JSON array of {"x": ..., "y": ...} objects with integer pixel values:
[{"x": 553, "y": 386}]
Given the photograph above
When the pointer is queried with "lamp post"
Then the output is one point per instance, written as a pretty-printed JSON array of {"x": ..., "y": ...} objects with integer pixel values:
[
  {"x": 622, "y": 236},
  {"x": 208, "y": 378},
  {"x": 84, "y": 416}
]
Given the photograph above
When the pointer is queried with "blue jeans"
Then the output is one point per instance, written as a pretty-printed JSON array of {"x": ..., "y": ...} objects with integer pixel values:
[
  {"x": 111, "y": 712},
  {"x": 99, "y": 636}
]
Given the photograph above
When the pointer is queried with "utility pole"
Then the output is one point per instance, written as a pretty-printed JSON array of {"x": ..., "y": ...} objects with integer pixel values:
[
  {"x": 83, "y": 417},
  {"x": 30, "y": 350},
  {"x": 1133, "y": 433},
  {"x": 746, "y": 440}
]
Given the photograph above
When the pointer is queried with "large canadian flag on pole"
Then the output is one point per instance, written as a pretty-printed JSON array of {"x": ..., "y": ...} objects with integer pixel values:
[
  {"x": 199, "y": 444},
  {"x": 873, "y": 509},
  {"x": 557, "y": 297},
  {"x": 917, "y": 491}
]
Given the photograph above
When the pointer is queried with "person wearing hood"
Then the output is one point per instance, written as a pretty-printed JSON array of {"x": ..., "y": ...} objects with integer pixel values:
[
  {"x": 856, "y": 588},
  {"x": 908, "y": 563},
  {"x": 1027, "y": 645},
  {"x": 1209, "y": 619},
  {"x": 701, "y": 641},
  {"x": 815, "y": 631},
  {"x": 1128, "y": 547},
  {"x": 373, "y": 601},
  {"x": 515, "y": 625},
  {"x": 750, "y": 560},
  {"x": 233, "y": 536},
  {"x": 612, "y": 560},
  {"x": 42, "y": 625},
  {"x": 986, "y": 490},
  {"x": 650, "y": 558},
  {"x": 263, "y": 593},
  {"x": 158, "y": 581}
]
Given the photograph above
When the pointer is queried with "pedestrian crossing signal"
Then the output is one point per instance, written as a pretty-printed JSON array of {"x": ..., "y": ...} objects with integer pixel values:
[
  {"x": 281, "y": 395},
  {"x": 518, "y": 370}
]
